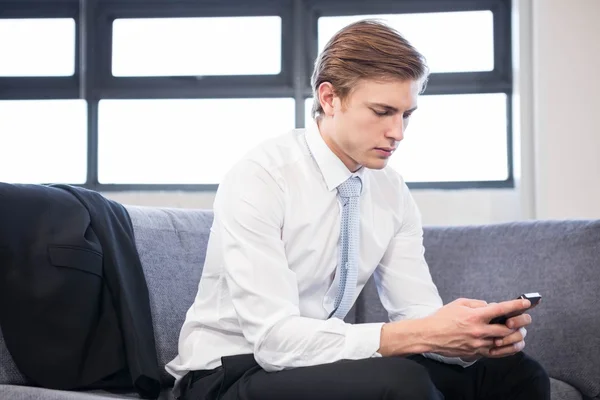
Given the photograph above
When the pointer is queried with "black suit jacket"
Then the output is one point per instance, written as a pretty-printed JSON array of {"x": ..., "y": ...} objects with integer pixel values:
[{"x": 74, "y": 305}]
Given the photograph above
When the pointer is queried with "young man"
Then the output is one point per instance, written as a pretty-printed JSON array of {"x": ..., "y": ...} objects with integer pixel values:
[{"x": 302, "y": 222}]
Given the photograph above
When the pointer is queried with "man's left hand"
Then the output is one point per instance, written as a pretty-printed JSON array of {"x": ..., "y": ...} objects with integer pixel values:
[
  {"x": 514, "y": 342},
  {"x": 510, "y": 344}
]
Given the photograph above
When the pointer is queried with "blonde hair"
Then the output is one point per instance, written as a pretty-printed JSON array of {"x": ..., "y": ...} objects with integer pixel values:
[{"x": 367, "y": 49}]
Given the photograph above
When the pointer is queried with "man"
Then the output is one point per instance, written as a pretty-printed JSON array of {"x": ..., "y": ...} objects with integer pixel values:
[{"x": 302, "y": 222}]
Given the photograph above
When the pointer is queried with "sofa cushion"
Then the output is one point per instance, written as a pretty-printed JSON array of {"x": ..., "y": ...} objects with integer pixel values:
[
  {"x": 172, "y": 248},
  {"x": 9, "y": 373},
  {"x": 34, "y": 393},
  {"x": 563, "y": 391},
  {"x": 558, "y": 259}
]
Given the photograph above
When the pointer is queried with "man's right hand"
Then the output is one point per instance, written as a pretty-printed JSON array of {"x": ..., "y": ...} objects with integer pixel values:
[{"x": 462, "y": 328}]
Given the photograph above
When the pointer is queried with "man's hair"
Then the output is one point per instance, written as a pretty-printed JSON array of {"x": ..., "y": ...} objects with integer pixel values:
[{"x": 367, "y": 49}]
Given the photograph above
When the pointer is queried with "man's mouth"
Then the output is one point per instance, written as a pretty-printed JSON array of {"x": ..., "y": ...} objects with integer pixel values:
[{"x": 386, "y": 151}]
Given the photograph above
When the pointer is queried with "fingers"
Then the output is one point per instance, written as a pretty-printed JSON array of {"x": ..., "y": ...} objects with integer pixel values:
[
  {"x": 486, "y": 343},
  {"x": 500, "y": 347},
  {"x": 519, "y": 321},
  {"x": 516, "y": 337},
  {"x": 507, "y": 350},
  {"x": 472, "y": 303},
  {"x": 497, "y": 331},
  {"x": 506, "y": 307}
]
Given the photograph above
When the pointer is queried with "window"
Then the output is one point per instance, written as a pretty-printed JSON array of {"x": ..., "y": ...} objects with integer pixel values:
[
  {"x": 186, "y": 141},
  {"x": 196, "y": 46},
  {"x": 460, "y": 136},
  {"x": 461, "y": 41},
  {"x": 160, "y": 95},
  {"x": 37, "y": 47},
  {"x": 453, "y": 137},
  {"x": 43, "y": 141}
]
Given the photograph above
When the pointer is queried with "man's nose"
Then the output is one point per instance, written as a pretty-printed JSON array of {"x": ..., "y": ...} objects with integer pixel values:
[{"x": 396, "y": 131}]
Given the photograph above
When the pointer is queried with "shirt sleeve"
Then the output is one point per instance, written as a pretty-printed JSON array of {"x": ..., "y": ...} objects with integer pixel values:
[
  {"x": 403, "y": 279},
  {"x": 249, "y": 213}
]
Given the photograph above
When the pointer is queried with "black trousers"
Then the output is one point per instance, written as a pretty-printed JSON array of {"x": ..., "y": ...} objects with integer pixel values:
[{"x": 517, "y": 377}]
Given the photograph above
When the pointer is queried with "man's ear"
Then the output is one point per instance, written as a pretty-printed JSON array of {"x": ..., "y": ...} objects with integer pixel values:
[{"x": 326, "y": 96}]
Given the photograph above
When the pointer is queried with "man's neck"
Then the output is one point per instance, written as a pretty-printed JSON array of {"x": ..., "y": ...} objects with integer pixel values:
[{"x": 326, "y": 131}]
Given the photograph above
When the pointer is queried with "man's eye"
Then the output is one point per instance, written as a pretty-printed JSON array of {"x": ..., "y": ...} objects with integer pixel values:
[
  {"x": 407, "y": 115},
  {"x": 381, "y": 113}
]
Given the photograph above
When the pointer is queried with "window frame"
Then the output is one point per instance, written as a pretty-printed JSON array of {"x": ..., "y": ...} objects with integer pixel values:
[
  {"x": 41, "y": 88},
  {"x": 93, "y": 79}
]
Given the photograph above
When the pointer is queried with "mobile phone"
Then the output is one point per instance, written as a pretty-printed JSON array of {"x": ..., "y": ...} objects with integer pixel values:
[{"x": 534, "y": 298}]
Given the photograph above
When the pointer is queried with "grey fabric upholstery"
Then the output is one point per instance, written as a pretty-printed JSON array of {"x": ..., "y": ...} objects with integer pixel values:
[
  {"x": 563, "y": 391},
  {"x": 171, "y": 245},
  {"x": 559, "y": 259},
  {"x": 9, "y": 373},
  {"x": 14, "y": 392}
]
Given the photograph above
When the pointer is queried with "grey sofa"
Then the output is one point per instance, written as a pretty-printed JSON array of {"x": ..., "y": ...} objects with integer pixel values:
[{"x": 561, "y": 260}]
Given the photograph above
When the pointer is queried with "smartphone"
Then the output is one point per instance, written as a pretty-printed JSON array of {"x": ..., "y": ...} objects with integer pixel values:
[{"x": 534, "y": 298}]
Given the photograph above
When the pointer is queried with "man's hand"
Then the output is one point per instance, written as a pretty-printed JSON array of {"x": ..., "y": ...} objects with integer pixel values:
[
  {"x": 510, "y": 344},
  {"x": 514, "y": 342},
  {"x": 462, "y": 329}
]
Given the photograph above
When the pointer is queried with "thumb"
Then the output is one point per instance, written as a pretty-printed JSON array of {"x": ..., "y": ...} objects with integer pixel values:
[{"x": 471, "y": 303}]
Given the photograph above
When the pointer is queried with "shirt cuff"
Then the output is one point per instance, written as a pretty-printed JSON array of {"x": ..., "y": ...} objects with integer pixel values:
[
  {"x": 362, "y": 341},
  {"x": 466, "y": 363},
  {"x": 449, "y": 360}
]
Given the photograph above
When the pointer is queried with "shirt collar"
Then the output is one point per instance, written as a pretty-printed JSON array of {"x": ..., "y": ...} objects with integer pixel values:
[{"x": 332, "y": 168}]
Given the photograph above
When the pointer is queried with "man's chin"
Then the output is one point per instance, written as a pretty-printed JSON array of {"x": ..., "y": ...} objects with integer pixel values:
[{"x": 377, "y": 163}]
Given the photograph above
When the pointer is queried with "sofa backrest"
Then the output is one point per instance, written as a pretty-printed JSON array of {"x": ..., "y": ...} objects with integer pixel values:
[
  {"x": 558, "y": 259},
  {"x": 172, "y": 248}
]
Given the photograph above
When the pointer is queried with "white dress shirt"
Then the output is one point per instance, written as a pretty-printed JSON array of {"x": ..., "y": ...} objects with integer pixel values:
[{"x": 269, "y": 279}]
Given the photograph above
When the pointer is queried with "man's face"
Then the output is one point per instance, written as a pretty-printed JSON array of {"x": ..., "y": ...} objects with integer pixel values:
[{"x": 367, "y": 127}]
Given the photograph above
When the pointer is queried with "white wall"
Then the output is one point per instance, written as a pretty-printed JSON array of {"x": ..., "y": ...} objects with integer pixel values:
[
  {"x": 556, "y": 101},
  {"x": 566, "y": 64}
]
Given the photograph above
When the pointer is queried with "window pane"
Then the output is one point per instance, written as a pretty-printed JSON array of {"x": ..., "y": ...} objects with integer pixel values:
[
  {"x": 196, "y": 46},
  {"x": 461, "y": 41},
  {"x": 37, "y": 47},
  {"x": 43, "y": 141},
  {"x": 308, "y": 103},
  {"x": 453, "y": 138},
  {"x": 184, "y": 140}
]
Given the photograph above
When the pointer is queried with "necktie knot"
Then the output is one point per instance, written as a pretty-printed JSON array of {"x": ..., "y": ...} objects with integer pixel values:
[{"x": 351, "y": 187}]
